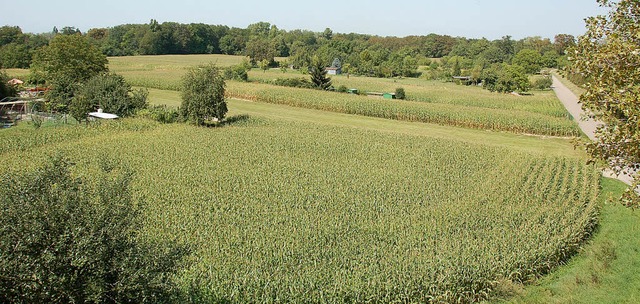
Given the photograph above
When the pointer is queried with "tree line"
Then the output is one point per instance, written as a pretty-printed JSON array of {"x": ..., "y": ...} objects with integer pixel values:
[{"x": 359, "y": 54}]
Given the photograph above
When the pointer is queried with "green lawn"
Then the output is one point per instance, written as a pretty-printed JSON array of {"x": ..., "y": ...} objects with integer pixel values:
[{"x": 169, "y": 62}]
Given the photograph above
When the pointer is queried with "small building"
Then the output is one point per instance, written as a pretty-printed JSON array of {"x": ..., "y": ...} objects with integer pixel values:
[
  {"x": 333, "y": 71},
  {"x": 389, "y": 95},
  {"x": 353, "y": 91}
]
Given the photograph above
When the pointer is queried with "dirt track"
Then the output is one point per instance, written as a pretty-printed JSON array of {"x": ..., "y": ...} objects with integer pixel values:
[{"x": 588, "y": 125}]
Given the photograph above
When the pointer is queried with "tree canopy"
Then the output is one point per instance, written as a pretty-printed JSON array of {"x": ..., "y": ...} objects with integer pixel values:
[
  {"x": 608, "y": 58},
  {"x": 203, "y": 95},
  {"x": 111, "y": 93},
  {"x": 73, "y": 239},
  {"x": 69, "y": 56}
]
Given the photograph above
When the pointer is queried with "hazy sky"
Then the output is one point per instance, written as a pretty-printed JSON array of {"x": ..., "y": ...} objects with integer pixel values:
[{"x": 468, "y": 18}]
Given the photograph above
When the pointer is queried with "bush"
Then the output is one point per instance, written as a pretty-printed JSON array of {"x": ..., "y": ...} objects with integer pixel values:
[
  {"x": 109, "y": 92},
  {"x": 75, "y": 239},
  {"x": 237, "y": 72},
  {"x": 161, "y": 114},
  {"x": 294, "y": 83},
  {"x": 400, "y": 94},
  {"x": 342, "y": 89},
  {"x": 543, "y": 83},
  {"x": 203, "y": 95},
  {"x": 6, "y": 90}
]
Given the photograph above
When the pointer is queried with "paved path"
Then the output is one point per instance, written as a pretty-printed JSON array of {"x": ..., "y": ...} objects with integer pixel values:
[{"x": 588, "y": 125}]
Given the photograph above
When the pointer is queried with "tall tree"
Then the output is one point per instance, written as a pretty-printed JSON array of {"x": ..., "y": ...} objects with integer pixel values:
[
  {"x": 65, "y": 63},
  {"x": 608, "y": 56},
  {"x": 71, "y": 56},
  {"x": 319, "y": 74},
  {"x": 562, "y": 42},
  {"x": 10, "y": 34},
  {"x": 529, "y": 59}
]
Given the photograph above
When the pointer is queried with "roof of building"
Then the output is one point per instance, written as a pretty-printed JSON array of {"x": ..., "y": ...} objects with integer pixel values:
[{"x": 15, "y": 81}]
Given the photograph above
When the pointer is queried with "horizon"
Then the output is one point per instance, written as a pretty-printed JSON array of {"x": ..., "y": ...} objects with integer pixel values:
[{"x": 493, "y": 20}]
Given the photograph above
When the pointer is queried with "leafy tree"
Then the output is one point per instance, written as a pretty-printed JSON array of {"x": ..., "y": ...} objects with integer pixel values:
[
  {"x": 530, "y": 60},
  {"x": 5, "y": 89},
  {"x": 327, "y": 34},
  {"x": 505, "y": 79},
  {"x": 513, "y": 78},
  {"x": 68, "y": 239},
  {"x": 550, "y": 59},
  {"x": 456, "y": 70},
  {"x": 203, "y": 95},
  {"x": 562, "y": 42},
  {"x": 259, "y": 50},
  {"x": 71, "y": 57},
  {"x": 109, "y": 92},
  {"x": 70, "y": 30},
  {"x": 237, "y": 72},
  {"x": 608, "y": 57},
  {"x": 14, "y": 55},
  {"x": 489, "y": 77},
  {"x": 400, "y": 94},
  {"x": 319, "y": 74},
  {"x": 507, "y": 47},
  {"x": 536, "y": 43},
  {"x": 10, "y": 34},
  {"x": 64, "y": 64},
  {"x": 81, "y": 106}
]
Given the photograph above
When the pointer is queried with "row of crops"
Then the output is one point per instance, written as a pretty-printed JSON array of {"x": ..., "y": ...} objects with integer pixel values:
[
  {"x": 439, "y": 113},
  {"x": 541, "y": 102},
  {"x": 496, "y": 116},
  {"x": 302, "y": 212},
  {"x": 445, "y": 104}
]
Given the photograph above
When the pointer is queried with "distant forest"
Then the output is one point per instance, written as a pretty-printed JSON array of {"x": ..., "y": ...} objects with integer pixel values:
[{"x": 440, "y": 56}]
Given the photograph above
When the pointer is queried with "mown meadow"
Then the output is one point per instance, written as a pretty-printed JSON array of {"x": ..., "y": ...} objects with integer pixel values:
[{"x": 309, "y": 204}]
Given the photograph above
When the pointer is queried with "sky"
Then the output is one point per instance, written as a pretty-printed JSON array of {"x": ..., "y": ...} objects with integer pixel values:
[{"x": 491, "y": 19}]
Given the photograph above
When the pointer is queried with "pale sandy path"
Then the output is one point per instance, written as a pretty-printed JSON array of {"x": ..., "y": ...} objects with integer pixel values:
[{"x": 588, "y": 125}]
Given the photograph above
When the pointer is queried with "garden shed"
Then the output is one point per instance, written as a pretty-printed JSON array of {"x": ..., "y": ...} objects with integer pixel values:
[
  {"x": 389, "y": 96},
  {"x": 333, "y": 71}
]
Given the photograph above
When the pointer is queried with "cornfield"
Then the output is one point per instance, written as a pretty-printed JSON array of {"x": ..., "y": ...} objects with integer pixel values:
[
  {"x": 514, "y": 121},
  {"x": 303, "y": 212},
  {"x": 429, "y": 101}
]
